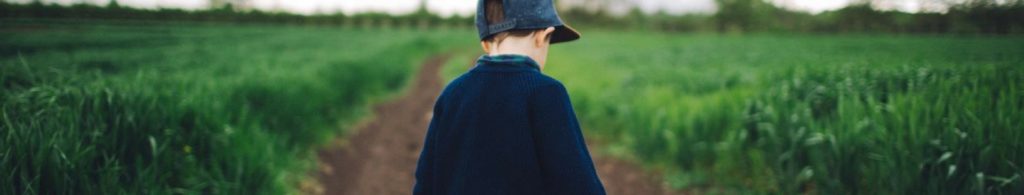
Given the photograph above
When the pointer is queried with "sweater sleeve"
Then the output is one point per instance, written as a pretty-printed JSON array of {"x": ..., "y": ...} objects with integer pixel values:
[
  {"x": 425, "y": 166},
  {"x": 566, "y": 164}
]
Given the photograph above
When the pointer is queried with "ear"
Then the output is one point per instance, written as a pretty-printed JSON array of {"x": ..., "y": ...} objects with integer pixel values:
[
  {"x": 486, "y": 45},
  {"x": 542, "y": 37}
]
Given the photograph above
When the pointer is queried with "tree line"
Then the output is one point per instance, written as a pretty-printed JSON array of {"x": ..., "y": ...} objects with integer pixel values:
[
  {"x": 734, "y": 16},
  {"x": 418, "y": 19},
  {"x": 972, "y": 16},
  {"x": 740, "y": 16}
]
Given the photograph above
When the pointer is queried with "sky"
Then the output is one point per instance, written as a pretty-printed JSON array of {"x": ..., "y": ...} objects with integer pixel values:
[{"x": 467, "y": 7}]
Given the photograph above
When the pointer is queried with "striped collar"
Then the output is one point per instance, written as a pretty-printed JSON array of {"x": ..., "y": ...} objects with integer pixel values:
[{"x": 507, "y": 62}]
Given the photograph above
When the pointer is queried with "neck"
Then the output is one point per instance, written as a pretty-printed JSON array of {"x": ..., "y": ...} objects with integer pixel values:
[
  {"x": 511, "y": 47},
  {"x": 509, "y": 53}
]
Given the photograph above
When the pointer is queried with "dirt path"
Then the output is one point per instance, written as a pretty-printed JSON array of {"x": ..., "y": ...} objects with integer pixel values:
[{"x": 379, "y": 157}]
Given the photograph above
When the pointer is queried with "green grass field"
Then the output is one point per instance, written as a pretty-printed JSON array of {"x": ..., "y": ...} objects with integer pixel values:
[
  {"x": 785, "y": 114},
  {"x": 112, "y": 108},
  {"x": 116, "y": 108}
]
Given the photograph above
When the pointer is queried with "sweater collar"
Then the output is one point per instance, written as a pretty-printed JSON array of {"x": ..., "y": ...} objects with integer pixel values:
[{"x": 506, "y": 62}]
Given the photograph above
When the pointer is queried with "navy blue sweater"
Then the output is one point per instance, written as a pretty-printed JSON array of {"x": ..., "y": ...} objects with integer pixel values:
[{"x": 505, "y": 128}]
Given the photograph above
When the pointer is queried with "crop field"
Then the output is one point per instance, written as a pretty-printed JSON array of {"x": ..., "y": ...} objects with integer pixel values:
[
  {"x": 820, "y": 114},
  {"x": 115, "y": 108}
]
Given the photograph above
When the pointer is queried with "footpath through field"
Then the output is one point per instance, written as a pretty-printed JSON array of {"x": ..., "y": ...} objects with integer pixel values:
[{"x": 379, "y": 157}]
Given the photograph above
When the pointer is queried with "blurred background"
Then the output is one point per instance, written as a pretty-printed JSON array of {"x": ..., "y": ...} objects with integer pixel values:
[
  {"x": 726, "y": 16},
  {"x": 703, "y": 96}
]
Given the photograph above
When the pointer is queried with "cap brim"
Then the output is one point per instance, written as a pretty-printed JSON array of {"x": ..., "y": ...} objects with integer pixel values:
[{"x": 564, "y": 33}]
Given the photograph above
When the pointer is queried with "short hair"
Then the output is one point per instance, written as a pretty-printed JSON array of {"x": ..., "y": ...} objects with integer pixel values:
[{"x": 495, "y": 13}]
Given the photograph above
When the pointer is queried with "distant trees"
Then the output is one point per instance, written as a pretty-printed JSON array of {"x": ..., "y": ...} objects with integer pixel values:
[
  {"x": 741, "y": 15},
  {"x": 235, "y": 5},
  {"x": 733, "y": 16},
  {"x": 988, "y": 16},
  {"x": 861, "y": 16},
  {"x": 972, "y": 16},
  {"x": 228, "y": 12}
]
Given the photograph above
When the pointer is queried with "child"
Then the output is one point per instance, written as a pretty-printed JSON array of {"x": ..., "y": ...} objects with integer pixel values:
[{"x": 504, "y": 127}]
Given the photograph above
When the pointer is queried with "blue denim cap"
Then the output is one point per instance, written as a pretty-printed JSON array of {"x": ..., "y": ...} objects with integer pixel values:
[{"x": 525, "y": 15}]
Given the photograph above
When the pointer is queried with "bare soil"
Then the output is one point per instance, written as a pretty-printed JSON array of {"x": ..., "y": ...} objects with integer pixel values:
[{"x": 379, "y": 156}]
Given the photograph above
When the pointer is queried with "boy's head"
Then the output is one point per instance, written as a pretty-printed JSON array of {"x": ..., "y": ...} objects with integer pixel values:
[{"x": 521, "y": 27}]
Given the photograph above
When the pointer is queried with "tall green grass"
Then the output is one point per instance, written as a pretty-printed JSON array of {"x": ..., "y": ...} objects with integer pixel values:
[
  {"x": 103, "y": 108},
  {"x": 806, "y": 114}
]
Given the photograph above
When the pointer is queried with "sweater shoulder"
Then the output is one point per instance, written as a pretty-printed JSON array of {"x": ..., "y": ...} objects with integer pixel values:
[
  {"x": 546, "y": 87},
  {"x": 543, "y": 80}
]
